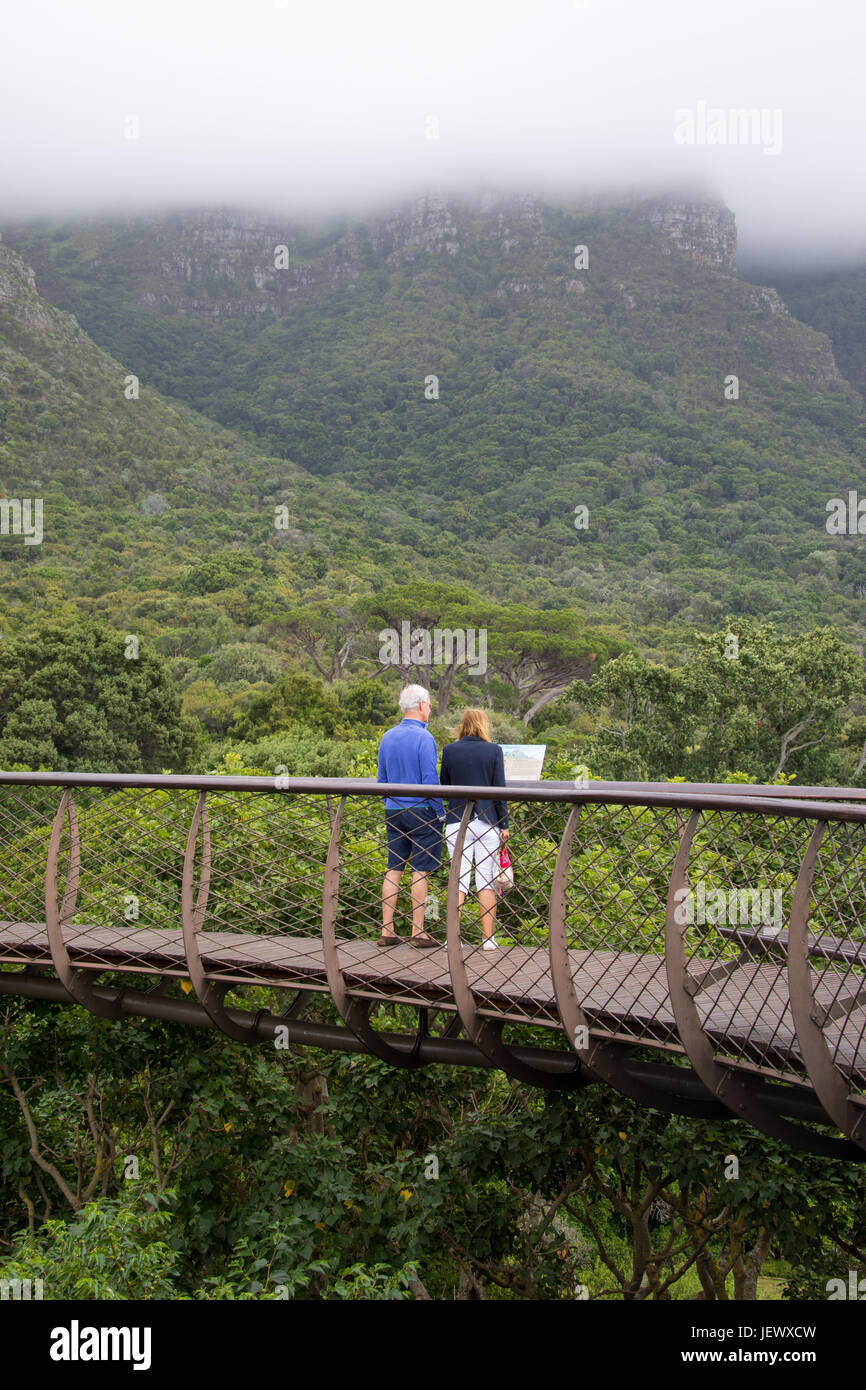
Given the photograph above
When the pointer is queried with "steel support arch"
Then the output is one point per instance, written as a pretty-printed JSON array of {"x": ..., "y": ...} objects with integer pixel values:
[
  {"x": 601, "y": 1061},
  {"x": 721, "y": 1080},
  {"x": 485, "y": 1033},
  {"x": 209, "y": 995},
  {"x": 79, "y": 983},
  {"x": 828, "y": 1082},
  {"x": 355, "y": 1013}
]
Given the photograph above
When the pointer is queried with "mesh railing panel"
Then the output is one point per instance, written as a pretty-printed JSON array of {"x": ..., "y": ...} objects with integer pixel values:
[
  {"x": 837, "y": 942},
  {"x": 263, "y": 919},
  {"x": 617, "y": 886},
  {"x": 127, "y": 908},
  {"x": 26, "y": 817},
  {"x": 514, "y": 981},
  {"x": 397, "y": 970},
  {"x": 742, "y": 871}
]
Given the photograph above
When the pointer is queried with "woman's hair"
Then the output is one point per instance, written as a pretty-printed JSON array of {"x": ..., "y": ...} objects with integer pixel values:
[{"x": 474, "y": 722}]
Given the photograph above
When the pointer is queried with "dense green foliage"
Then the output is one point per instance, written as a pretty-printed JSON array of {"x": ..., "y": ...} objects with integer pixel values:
[
  {"x": 745, "y": 699},
  {"x": 82, "y": 696},
  {"x": 174, "y": 1165}
]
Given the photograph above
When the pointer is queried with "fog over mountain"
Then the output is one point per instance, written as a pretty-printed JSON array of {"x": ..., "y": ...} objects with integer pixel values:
[{"x": 110, "y": 107}]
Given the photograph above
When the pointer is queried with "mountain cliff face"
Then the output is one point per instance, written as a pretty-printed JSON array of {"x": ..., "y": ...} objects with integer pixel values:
[
  {"x": 650, "y": 276},
  {"x": 832, "y": 302},
  {"x": 218, "y": 264},
  {"x": 706, "y": 232}
]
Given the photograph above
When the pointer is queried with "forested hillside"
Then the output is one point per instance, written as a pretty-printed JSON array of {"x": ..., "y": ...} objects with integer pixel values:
[
  {"x": 563, "y": 379},
  {"x": 831, "y": 301},
  {"x": 138, "y": 491}
]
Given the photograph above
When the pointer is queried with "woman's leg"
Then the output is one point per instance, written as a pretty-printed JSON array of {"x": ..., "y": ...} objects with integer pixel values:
[
  {"x": 465, "y": 866},
  {"x": 487, "y": 903},
  {"x": 486, "y": 868}
]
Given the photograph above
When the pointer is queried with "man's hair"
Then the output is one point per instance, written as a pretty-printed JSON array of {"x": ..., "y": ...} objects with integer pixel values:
[
  {"x": 412, "y": 695},
  {"x": 474, "y": 723}
]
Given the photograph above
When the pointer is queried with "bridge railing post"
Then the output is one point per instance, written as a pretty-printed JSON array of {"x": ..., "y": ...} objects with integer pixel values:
[
  {"x": 728, "y": 997},
  {"x": 826, "y": 966}
]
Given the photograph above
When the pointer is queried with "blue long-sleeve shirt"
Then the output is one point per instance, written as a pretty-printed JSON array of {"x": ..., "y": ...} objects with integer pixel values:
[{"x": 407, "y": 754}]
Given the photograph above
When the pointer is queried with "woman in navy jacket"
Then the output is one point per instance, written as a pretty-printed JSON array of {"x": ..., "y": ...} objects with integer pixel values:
[{"x": 475, "y": 761}]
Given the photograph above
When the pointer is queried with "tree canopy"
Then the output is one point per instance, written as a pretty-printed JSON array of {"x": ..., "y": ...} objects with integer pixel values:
[
  {"x": 747, "y": 698},
  {"x": 83, "y": 697}
]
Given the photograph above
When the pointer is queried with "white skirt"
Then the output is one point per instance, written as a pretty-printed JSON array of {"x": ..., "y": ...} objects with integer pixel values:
[{"x": 481, "y": 848}]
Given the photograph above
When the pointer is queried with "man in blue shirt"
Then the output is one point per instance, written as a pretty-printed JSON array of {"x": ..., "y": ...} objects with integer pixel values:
[{"x": 407, "y": 754}]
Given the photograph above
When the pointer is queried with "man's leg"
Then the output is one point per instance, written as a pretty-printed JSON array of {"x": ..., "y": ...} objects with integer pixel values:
[
  {"x": 426, "y": 837},
  {"x": 390, "y": 889},
  {"x": 399, "y": 849},
  {"x": 419, "y": 901}
]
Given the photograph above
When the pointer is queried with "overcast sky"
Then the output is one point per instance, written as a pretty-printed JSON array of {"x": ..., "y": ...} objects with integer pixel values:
[{"x": 303, "y": 106}]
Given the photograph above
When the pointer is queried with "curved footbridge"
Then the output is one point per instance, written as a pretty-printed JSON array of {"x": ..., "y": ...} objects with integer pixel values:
[{"x": 700, "y": 948}]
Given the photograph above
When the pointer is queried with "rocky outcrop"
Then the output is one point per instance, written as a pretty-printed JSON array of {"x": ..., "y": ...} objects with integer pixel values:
[
  {"x": 427, "y": 224},
  {"x": 18, "y": 295},
  {"x": 706, "y": 232}
]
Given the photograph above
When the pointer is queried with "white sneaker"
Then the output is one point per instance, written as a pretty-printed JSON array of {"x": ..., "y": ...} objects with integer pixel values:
[{"x": 490, "y": 944}]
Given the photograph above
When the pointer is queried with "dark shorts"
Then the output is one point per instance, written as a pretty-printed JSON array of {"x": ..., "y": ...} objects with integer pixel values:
[{"x": 414, "y": 833}]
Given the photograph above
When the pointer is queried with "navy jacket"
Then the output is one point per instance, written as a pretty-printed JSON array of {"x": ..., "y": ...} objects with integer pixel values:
[{"x": 473, "y": 762}]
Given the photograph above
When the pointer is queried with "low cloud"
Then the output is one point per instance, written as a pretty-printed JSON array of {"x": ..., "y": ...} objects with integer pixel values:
[{"x": 109, "y": 106}]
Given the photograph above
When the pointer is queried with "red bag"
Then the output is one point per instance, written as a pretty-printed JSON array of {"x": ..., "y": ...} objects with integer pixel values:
[{"x": 505, "y": 878}]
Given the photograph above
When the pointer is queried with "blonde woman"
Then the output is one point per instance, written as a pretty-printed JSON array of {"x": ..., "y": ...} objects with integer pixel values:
[{"x": 475, "y": 761}]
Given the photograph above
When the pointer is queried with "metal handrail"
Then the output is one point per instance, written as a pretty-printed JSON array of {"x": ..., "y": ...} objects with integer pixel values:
[{"x": 720, "y": 796}]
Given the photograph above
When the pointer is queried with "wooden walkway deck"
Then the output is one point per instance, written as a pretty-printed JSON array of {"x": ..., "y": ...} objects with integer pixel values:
[{"x": 625, "y": 995}]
